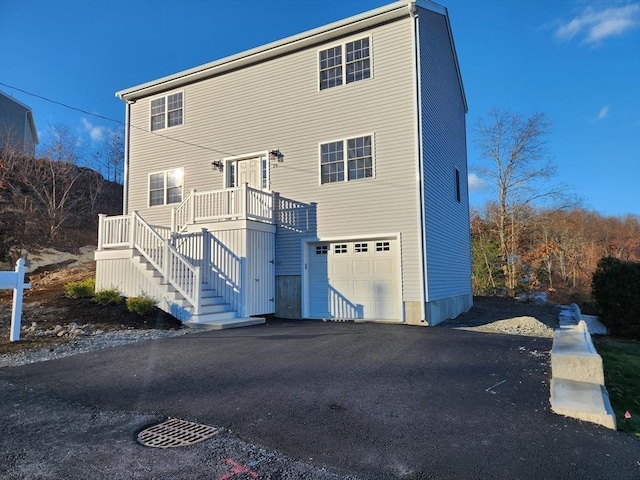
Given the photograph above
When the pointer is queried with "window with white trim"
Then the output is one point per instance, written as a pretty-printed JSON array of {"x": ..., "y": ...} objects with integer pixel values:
[
  {"x": 357, "y": 163},
  {"x": 166, "y": 111},
  {"x": 354, "y": 65},
  {"x": 166, "y": 187}
]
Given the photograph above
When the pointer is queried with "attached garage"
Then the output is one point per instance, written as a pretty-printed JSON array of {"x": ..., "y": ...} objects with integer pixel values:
[{"x": 356, "y": 279}]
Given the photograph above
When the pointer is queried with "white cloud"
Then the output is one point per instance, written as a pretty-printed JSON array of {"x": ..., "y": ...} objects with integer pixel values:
[
  {"x": 603, "y": 113},
  {"x": 595, "y": 26},
  {"x": 96, "y": 133},
  {"x": 476, "y": 183}
]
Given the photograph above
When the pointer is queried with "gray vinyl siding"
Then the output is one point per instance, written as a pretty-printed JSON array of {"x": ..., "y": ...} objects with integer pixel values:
[
  {"x": 444, "y": 150},
  {"x": 15, "y": 130},
  {"x": 277, "y": 104}
]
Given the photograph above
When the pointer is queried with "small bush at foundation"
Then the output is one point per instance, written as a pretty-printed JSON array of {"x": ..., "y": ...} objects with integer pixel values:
[
  {"x": 107, "y": 297},
  {"x": 143, "y": 306},
  {"x": 83, "y": 289}
]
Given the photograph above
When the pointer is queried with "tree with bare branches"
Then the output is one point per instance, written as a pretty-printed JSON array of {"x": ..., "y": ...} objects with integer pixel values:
[{"x": 517, "y": 165}]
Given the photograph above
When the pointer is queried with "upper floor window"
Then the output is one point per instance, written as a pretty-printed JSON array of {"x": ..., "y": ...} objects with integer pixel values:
[
  {"x": 345, "y": 63},
  {"x": 353, "y": 156},
  {"x": 166, "y": 187},
  {"x": 166, "y": 111},
  {"x": 458, "y": 185}
]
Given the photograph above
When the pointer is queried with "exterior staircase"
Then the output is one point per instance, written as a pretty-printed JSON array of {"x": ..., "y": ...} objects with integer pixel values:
[
  {"x": 214, "y": 312},
  {"x": 181, "y": 283}
]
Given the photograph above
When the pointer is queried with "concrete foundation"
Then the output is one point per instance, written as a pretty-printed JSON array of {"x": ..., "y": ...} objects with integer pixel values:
[
  {"x": 288, "y": 296},
  {"x": 437, "y": 311}
]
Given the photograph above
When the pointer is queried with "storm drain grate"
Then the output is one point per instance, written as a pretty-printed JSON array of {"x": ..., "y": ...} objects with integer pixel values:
[{"x": 175, "y": 433}]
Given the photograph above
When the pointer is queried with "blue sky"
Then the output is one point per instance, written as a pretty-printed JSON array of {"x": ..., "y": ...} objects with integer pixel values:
[{"x": 576, "y": 61}]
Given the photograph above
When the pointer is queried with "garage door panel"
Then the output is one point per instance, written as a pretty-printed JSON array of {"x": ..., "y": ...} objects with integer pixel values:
[
  {"x": 355, "y": 279},
  {"x": 361, "y": 267},
  {"x": 340, "y": 268},
  {"x": 384, "y": 266}
]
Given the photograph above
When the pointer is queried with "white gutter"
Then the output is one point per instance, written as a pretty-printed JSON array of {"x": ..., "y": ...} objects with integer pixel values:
[{"x": 387, "y": 13}]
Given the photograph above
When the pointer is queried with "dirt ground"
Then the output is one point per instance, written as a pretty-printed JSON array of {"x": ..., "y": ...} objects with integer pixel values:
[
  {"x": 54, "y": 315},
  {"x": 49, "y": 318}
]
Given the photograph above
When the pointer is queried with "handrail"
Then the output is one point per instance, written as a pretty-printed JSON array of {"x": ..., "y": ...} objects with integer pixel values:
[
  {"x": 242, "y": 202},
  {"x": 175, "y": 269},
  {"x": 181, "y": 214}
]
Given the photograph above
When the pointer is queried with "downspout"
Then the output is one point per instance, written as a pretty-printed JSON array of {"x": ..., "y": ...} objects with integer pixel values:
[
  {"x": 413, "y": 9},
  {"x": 125, "y": 178}
]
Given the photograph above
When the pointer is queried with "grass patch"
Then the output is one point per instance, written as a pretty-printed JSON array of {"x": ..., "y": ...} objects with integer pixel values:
[{"x": 621, "y": 359}]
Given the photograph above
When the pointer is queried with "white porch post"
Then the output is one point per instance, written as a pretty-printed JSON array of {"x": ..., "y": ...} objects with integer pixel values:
[
  {"x": 132, "y": 229},
  {"x": 173, "y": 220},
  {"x": 206, "y": 256},
  {"x": 101, "y": 230},
  {"x": 245, "y": 201},
  {"x": 192, "y": 207},
  {"x": 165, "y": 260}
]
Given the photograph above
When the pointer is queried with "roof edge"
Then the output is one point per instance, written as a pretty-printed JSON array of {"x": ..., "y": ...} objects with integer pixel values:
[{"x": 369, "y": 18}]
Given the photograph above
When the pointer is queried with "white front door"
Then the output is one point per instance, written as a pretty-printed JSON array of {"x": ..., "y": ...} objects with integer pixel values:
[
  {"x": 252, "y": 171},
  {"x": 354, "y": 279}
]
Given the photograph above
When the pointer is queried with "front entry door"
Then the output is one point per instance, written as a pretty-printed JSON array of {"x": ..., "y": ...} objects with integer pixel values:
[{"x": 253, "y": 172}]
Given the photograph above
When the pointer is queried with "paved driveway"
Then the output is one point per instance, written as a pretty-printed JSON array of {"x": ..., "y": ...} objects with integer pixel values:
[{"x": 376, "y": 401}]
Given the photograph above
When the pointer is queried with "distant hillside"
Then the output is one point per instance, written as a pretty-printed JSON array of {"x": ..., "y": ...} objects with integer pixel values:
[{"x": 45, "y": 203}]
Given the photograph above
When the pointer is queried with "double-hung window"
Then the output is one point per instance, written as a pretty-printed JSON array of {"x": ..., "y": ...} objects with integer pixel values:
[
  {"x": 346, "y": 160},
  {"x": 166, "y": 111},
  {"x": 345, "y": 63},
  {"x": 166, "y": 187}
]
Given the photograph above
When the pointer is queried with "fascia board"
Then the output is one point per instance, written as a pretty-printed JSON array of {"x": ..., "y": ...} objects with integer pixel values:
[{"x": 265, "y": 52}]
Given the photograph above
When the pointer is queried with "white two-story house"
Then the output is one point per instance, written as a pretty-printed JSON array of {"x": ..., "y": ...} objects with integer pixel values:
[{"x": 320, "y": 176}]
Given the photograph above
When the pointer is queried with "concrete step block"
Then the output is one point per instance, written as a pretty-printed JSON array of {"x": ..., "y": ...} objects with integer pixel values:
[
  {"x": 203, "y": 323},
  {"x": 573, "y": 356},
  {"x": 582, "y": 400}
]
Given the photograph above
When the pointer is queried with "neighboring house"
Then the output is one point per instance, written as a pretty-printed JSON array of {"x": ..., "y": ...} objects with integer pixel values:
[
  {"x": 17, "y": 127},
  {"x": 320, "y": 176}
]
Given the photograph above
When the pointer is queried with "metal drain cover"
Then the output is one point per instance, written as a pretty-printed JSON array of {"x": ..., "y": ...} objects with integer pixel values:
[{"x": 175, "y": 433}]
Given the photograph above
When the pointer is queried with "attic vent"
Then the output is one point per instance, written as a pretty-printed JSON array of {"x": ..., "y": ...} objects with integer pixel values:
[{"x": 175, "y": 433}]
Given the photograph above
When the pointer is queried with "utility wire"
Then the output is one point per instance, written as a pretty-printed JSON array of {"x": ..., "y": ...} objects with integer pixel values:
[{"x": 117, "y": 121}]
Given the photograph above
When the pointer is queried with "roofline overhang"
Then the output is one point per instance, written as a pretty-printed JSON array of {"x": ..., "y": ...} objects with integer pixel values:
[
  {"x": 347, "y": 26},
  {"x": 384, "y": 14}
]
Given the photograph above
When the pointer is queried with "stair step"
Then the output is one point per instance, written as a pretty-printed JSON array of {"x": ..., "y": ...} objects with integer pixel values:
[
  {"x": 216, "y": 308},
  {"x": 205, "y": 323},
  {"x": 582, "y": 400}
]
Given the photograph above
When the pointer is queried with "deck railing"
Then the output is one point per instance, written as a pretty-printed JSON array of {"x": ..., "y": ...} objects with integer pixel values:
[
  {"x": 236, "y": 203},
  {"x": 133, "y": 232}
]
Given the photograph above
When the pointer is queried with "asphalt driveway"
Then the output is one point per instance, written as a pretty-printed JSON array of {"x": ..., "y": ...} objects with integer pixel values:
[{"x": 375, "y": 401}]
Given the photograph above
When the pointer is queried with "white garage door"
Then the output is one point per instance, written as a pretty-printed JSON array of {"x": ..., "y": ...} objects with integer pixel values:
[{"x": 356, "y": 279}]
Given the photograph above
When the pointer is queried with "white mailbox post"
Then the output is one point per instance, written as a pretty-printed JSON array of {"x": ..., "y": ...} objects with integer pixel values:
[{"x": 15, "y": 280}]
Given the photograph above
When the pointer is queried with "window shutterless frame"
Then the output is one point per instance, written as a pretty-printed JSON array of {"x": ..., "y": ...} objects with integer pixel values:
[
  {"x": 347, "y": 159},
  {"x": 343, "y": 63},
  {"x": 165, "y": 187},
  {"x": 166, "y": 111}
]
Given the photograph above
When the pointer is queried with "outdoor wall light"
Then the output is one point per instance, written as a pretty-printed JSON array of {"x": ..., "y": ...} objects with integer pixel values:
[{"x": 217, "y": 165}]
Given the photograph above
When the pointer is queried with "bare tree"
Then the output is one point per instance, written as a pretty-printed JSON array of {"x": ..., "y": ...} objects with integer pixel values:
[
  {"x": 517, "y": 165},
  {"x": 52, "y": 181},
  {"x": 109, "y": 158}
]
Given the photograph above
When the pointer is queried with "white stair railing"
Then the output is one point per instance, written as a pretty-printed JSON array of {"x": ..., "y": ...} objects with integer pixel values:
[{"x": 134, "y": 232}]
